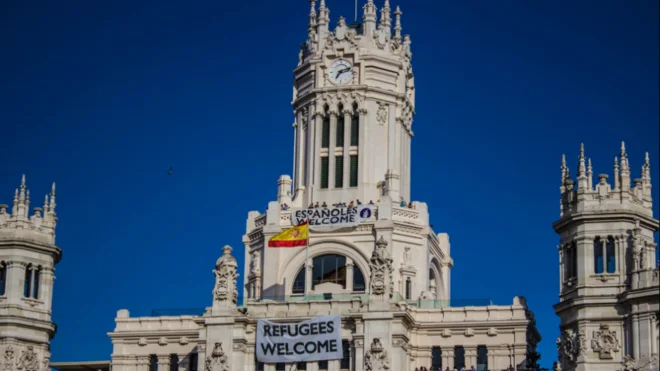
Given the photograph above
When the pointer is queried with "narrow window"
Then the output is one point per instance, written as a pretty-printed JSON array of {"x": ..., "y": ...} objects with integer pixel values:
[
  {"x": 408, "y": 288},
  {"x": 3, "y": 278},
  {"x": 611, "y": 255},
  {"x": 260, "y": 365},
  {"x": 279, "y": 366},
  {"x": 355, "y": 128},
  {"x": 323, "y": 365},
  {"x": 299, "y": 283},
  {"x": 574, "y": 260},
  {"x": 598, "y": 255},
  {"x": 28, "y": 281},
  {"x": 358, "y": 280},
  {"x": 339, "y": 171},
  {"x": 482, "y": 358},
  {"x": 459, "y": 357},
  {"x": 153, "y": 362},
  {"x": 174, "y": 362},
  {"x": 436, "y": 358},
  {"x": 354, "y": 171},
  {"x": 302, "y": 366},
  {"x": 340, "y": 128},
  {"x": 324, "y": 172},
  {"x": 35, "y": 285},
  {"x": 325, "y": 130},
  {"x": 193, "y": 361},
  {"x": 345, "y": 363}
]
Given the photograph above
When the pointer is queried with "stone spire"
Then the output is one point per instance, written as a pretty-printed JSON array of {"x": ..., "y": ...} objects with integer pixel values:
[
  {"x": 582, "y": 170},
  {"x": 311, "y": 27},
  {"x": 646, "y": 176},
  {"x": 397, "y": 25},
  {"x": 625, "y": 169},
  {"x": 617, "y": 184},
  {"x": 385, "y": 17},
  {"x": 323, "y": 18},
  {"x": 19, "y": 211},
  {"x": 590, "y": 175},
  {"x": 369, "y": 17},
  {"x": 52, "y": 200}
]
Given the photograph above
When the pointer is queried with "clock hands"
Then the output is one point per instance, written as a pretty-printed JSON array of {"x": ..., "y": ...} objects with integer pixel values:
[{"x": 347, "y": 69}]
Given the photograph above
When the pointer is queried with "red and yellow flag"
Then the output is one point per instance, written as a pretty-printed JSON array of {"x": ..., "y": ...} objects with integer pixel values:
[{"x": 292, "y": 237}]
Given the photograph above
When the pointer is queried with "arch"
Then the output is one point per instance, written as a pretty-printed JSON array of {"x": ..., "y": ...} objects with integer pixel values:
[
  {"x": 288, "y": 272},
  {"x": 435, "y": 272},
  {"x": 298, "y": 286}
]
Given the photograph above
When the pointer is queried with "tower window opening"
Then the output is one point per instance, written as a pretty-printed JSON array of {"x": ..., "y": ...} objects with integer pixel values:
[
  {"x": 36, "y": 283},
  {"x": 28, "y": 281},
  {"x": 302, "y": 366},
  {"x": 482, "y": 358},
  {"x": 340, "y": 128},
  {"x": 598, "y": 256},
  {"x": 193, "y": 362},
  {"x": 174, "y": 362},
  {"x": 572, "y": 261},
  {"x": 436, "y": 358},
  {"x": 299, "y": 283},
  {"x": 459, "y": 357},
  {"x": 279, "y": 366},
  {"x": 355, "y": 126},
  {"x": 328, "y": 269},
  {"x": 153, "y": 362},
  {"x": 3, "y": 278},
  {"x": 339, "y": 171},
  {"x": 345, "y": 363},
  {"x": 325, "y": 130},
  {"x": 323, "y": 365},
  {"x": 324, "y": 172},
  {"x": 353, "y": 171},
  {"x": 408, "y": 289},
  {"x": 610, "y": 255},
  {"x": 358, "y": 280}
]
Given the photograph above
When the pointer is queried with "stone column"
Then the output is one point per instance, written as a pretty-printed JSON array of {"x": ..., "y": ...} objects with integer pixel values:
[
  {"x": 491, "y": 360},
  {"x": 358, "y": 354},
  {"x": 349, "y": 274},
  {"x": 653, "y": 334},
  {"x": 164, "y": 362},
  {"x": 314, "y": 165},
  {"x": 348, "y": 126},
  {"x": 470, "y": 357},
  {"x": 46, "y": 281},
  {"x": 201, "y": 355},
  {"x": 331, "y": 149},
  {"x": 635, "y": 334},
  {"x": 308, "y": 277},
  {"x": 14, "y": 285},
  {"x": 143, "y": 363},
  {"x": 449, "y": 357},
  {"x": 561, "y": 268},
  {"x": 363, "y": 160}
]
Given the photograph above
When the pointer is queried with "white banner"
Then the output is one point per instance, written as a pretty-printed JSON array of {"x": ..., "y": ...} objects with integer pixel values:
[
  {"x": 324, "y": 218},
  {"x": 317, "y": 339}
]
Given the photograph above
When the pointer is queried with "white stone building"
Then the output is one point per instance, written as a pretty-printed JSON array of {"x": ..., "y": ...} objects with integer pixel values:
[
  {"x": 609, "y": 290},
  {"x": 28, "y": 255}
]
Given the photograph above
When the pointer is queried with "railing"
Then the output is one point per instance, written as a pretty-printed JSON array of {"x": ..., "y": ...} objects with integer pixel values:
[{"x": 177, "y": 312}]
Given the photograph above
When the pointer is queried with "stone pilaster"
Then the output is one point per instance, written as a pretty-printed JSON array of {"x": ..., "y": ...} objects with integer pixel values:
[
  {"x": 331, "y": 150},
  {"x": 164, "y": 361}
]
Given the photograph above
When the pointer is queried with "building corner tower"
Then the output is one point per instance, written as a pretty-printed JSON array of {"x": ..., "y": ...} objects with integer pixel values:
[
  {"x": 608, "y": 299},
  {"x": 28, "y": 255}
]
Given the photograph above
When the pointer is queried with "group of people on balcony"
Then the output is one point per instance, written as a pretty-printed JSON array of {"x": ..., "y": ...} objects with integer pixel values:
[{"x": 318, "y": 204}]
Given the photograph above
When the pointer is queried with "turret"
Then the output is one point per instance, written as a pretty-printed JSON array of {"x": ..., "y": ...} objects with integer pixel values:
[
  {"x": 369, "y": 17},
  {"x": 385, "y": 18}
]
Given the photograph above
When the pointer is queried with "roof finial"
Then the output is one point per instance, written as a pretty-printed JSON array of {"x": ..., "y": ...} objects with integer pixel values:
[
  {"x": 52, "y": 199},
  {"x": 625, "y": 169},
  {"x": 616, "y": 173},
  {"x": 590, "y": 175},
  {"x": 397, "y": 24},
  {"x": 369, "y": 17},
  {"x": 45, "y": 205},
  {"x": 582, "y": 170},
  {"x": 385, "y": 18},
  {"x": 21, "y": 194}
]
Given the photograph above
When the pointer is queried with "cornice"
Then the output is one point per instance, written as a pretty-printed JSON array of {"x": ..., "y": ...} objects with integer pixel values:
[
  {"x": 605, "y": 216},
  {"x": 52, "y": 250},
  {"x": 130, "y": 335}
]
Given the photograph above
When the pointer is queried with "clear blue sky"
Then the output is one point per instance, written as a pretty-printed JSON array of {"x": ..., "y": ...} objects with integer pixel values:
[{"x": 104, "y": 98}]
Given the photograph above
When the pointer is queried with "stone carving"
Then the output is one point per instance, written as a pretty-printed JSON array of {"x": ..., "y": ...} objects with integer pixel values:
[
  {"x": 381, "y": 114},
  {"x": 46, "y": 362},
  {"x": 406, "y": 255},
  {"x": 162, "y": 341},
  {"x": 567, "y": 346},
  {"x": 9, "y": 358},
  {"x": 142, "y": 341},
  {"x": 381, "y": 270},
  {"x": 376, "y": 358},
  {"x": 183, "y": 340},
  {"x": 304, "y": 117},
  {"x": 492, "y": 331},
  {"x": 605, "y": 342},
  {"x": 381, "y": 37},
  {"x": 582, "y": 342},
  {"x": 218, "y": 360},
  {"x": 255, "y": 263},
  {"x": 446, "y": 333},
  {"x": 225, "y": 291},
  {"x": 469, "y": 332},
  {"x": 28, "y": 360},
  {"x": 628, "y": 363}
]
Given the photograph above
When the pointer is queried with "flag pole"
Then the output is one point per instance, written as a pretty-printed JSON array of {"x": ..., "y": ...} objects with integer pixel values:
[{"x": 307, "y": 258}]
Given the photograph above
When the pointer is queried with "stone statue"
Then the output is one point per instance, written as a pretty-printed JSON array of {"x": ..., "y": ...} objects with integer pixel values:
[
  {"x": 218, "y": 360},
  {"x": 381, "y": 271},
  {"x": 28, "y": 360},
  {"x": 225, "y": 291},
  {"x": 255, "y": 263},
  {"x": 376, "y": 358},
  {"x": 9, "y": 359},
  {"x": 406, "y": 256}
]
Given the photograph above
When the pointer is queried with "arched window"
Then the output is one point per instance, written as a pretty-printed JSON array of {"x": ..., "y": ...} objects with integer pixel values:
[
  {"x": 325, "y": 128},
  {"x": 339, "y": 138},
  {"x": 3, "y": 277},
  {"x": 28, "y": 281},
  {"x": 598, "y": 255},
  {"x": 329, "y": 268},
  {"x": 355, "y": 126},
  {"x": 610, "y": 255}
]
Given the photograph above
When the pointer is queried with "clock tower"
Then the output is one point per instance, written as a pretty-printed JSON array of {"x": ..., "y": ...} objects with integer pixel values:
[{"x": 354, "y": 101}]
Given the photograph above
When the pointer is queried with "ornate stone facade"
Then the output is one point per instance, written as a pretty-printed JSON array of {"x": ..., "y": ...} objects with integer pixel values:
[
  {"x": 607, "y": 255},
  {"x": 28, "y": 255}
]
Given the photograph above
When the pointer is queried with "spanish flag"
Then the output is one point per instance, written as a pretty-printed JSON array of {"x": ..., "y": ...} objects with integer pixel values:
[{"x": 292, "y": 237}]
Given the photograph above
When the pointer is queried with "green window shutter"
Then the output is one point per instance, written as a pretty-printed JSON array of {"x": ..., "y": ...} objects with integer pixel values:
[
  {"x": 340, "y": 131},
  {"x": 354, "y": 172},
  {"x": 355, "y": 130},
  {"x": 325, "y": 132},
  {"x": 324, "y": 172},
  {"x": 339, "y": 171}
]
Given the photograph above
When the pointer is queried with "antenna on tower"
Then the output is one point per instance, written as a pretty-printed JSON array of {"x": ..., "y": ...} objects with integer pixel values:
[{"x": 355, "y": 21}]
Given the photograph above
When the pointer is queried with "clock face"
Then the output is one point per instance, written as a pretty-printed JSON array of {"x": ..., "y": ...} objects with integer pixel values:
[{"x": 341, "y": 71}]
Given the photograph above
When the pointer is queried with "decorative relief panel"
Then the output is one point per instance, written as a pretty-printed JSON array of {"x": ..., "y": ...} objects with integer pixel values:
[
  {"x": 605, "y": 342},
  {"x": 376, "y": 358},
  {"x": 381, "y": 271},
  {"x": 218, "y": 361},
  {"x": 381, "y": 114}
]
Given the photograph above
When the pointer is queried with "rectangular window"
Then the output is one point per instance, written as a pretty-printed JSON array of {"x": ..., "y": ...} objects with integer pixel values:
[
  {"x": 193, "y": 361},
  {"x": 28, "y": 279},
  {"x": 3, "y": 278},
  {"x": 574, "y": 260},
  {"x": 35, "y": 286},
  {"x": 324, "y": 172},
  {"x": 598, "y": 255},
  {"x": 301, "y": 366},
  {"x": 345, "y": 363},
  {"x": 279, "y": 366},
  {"x": 611, "y": 255},
  {"x": 153, "y": 362},
  {"x": 436, "y": 358},
  {"x": 355, "y": 130},
  {"x": 353, "y": 181},
  {"x": 174, "y": 362},
  {"x": 325, "y": 132},
  {"x": 339, "y": 171},
  {"x": 323, "y": 365},
  {"x": 340, "y": 131},
  {"x": 408, "y": 289},
  {"x": 482, "y": 358},
  {"x": 459, "y": 357}
]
